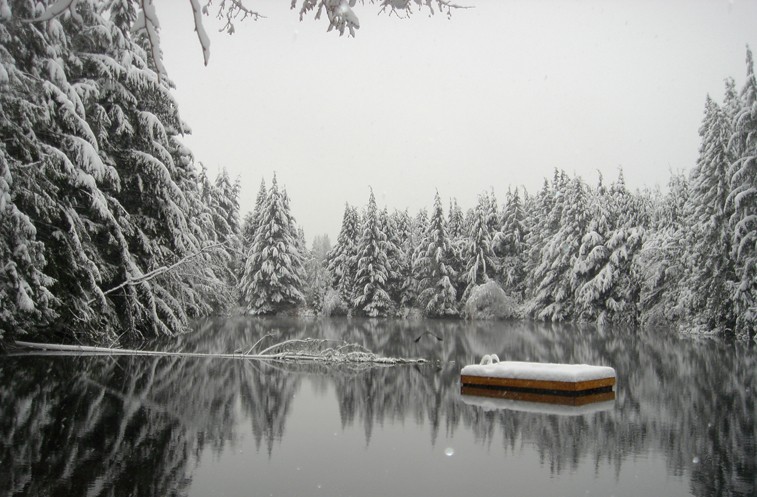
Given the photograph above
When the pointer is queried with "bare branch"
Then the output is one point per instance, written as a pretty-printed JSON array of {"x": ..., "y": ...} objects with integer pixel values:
[
  {"x": 231, "y": 11},
  {"x": 256, "y": 343}
]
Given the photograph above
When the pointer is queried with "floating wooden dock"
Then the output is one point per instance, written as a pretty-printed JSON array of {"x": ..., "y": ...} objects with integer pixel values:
[{"x": 566, "y": 384}]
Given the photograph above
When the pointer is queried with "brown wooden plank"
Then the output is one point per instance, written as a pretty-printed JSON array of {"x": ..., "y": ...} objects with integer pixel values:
[
  {"x": 565, "y": 400},
  {"x": 566, "y": 386}
]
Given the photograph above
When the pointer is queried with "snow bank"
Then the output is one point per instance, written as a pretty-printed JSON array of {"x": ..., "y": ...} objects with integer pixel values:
[
  {"x": 489, "y": 301},
  {"x": 539, "y": 371}
]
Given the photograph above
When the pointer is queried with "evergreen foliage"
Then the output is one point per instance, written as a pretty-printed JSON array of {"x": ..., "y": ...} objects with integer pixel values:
[
  {"x": 742, "y": 200},
  {"x": 373, "y": 267},
  {"x": 711, "y": 277},
  {"x": 342, "y": 259},
  {"x": 480, "y": 264},
  {"x": 509, "y": 245},
  {"x": 404, "y": 268},
  {"x": 434, "y": 273},
  {"x": 102, "y": 207},
  {"x": 316, "y": 274},
  {"x": 553, "y": 293},
  {"x": 99, "y": 196},
  {"x": 252, "y": 219},
  {"x": 273, "y": 276}
]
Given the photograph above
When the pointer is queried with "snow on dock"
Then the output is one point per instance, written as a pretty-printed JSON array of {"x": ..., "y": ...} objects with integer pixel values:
[{"x": 534, "y": 377}]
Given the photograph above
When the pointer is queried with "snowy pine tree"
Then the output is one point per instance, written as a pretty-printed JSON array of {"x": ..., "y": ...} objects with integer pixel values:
[
  {"x": 394, "y": 255},
  {"x": 95, "y": 166},
  {"x": 742, "y": 200},
  {"x": 373, "y": 269},
  {"x": 480, "y": 263},
  {"x": 316, "y": 274},
  {"x": 601, "y": 278},
  {"x": 455, "y": 221},
  {"x": 252, "y": 219},
  {"x": 553, "y": 295},
  {"x": 660, "y": 264},
  {"x": 710, "y": 279},
  {"x": 437, "y": 294},
  {"x": 406, "y": 251},
  {"x": 273, "y": 275},
  {"x": 342, "y": 259},
  {"x": 509, "y": 244}
]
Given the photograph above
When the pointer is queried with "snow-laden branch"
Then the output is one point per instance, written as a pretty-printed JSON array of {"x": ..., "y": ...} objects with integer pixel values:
[
  {"x": 147, "y": 22},
  {"x": 340, "y": 14},
  {"x": 200, "y": 30},
  {"x": 161, "y": 270},
  {"x": 56, "y": 8}
]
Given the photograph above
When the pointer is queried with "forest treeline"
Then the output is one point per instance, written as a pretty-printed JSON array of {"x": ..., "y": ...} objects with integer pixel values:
[
  {"x": 109, "y": 227},
  {"x": 571, "y": 252}
]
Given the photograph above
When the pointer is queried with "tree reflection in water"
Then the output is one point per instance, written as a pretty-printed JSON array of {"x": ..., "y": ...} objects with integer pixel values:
[{"x": 139, "y": 425}]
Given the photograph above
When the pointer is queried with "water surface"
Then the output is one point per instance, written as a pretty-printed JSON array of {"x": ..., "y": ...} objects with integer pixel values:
[{"x": 682, "y": 422}]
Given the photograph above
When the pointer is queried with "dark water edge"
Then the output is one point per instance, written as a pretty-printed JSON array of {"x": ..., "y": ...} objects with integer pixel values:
[{"x": 682, "y": 422}]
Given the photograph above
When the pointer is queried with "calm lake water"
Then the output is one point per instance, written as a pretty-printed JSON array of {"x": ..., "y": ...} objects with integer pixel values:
[{"x": 682, "y": 423}]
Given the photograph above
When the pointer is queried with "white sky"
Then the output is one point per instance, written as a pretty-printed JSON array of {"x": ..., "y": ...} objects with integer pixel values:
[{"x": 498, "y": 95}]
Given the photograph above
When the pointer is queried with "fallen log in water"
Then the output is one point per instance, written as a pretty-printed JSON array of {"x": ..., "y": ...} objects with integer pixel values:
[{"x": 290, "y": 350}]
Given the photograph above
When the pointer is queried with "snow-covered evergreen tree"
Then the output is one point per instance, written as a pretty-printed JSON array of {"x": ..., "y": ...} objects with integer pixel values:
[
  {"x": 96, "y": 167},
  {"x": 227, "y": 199},
  {"x": 373, "y": 269},
  {"x": 493, "y": 222},
  {"x": 553, "y": 295},
  {"x": 660, "y": 264},
  {"x": 710, "y": 279},
  {"x": 317, "y": 280},
  {"x": 251, "y": 220},
  {"x": 437, "y": 294},
  {"x": 26, "y": 301},
  {"x": 224, "y": 261},
  {"x": 394, "y": 255},
  {"x": 539, "y": 230},
  {"x": 455, "y": 220},
  {"x": 342, "y": 259},
  {"x": 509, "y": 244},
  {"x": 273, "y": 275},
  {"x": 480, "y": 263},
  {"x": 420, "y": 224},
  {"x": 602, "y": 281},
  {"x": 742, "y": 200},
  {"x": 404, "y": 234}
]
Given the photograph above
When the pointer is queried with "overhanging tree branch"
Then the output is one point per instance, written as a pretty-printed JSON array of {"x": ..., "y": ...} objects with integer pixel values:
[{"x": 161, "y": 270}]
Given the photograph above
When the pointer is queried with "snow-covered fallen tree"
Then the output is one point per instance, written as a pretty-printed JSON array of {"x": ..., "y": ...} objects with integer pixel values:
[{"x": 309, "y": 349}]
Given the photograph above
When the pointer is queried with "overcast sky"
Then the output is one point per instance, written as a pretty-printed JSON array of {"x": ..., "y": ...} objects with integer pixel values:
[{"x": 497, "y": 95}]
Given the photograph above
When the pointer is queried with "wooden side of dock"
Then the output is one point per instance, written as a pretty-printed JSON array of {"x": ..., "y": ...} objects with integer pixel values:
[{"x": 566, "y": 400}]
